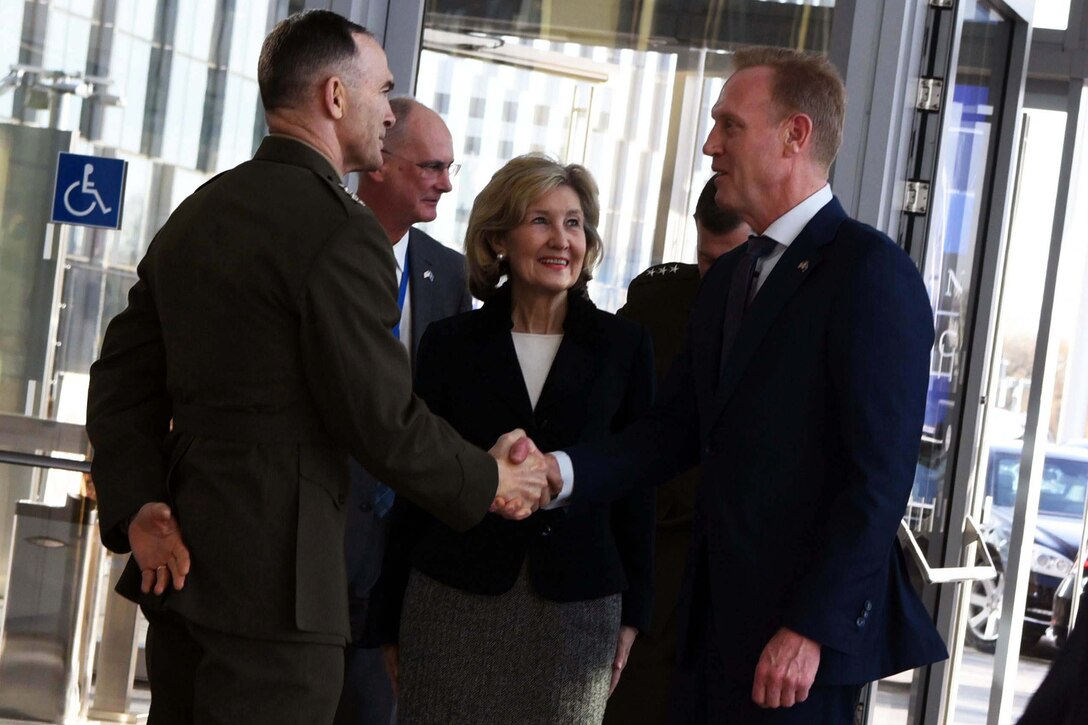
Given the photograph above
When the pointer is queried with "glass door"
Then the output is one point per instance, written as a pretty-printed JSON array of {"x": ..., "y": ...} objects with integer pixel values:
[{"x": 957, "y": 202}]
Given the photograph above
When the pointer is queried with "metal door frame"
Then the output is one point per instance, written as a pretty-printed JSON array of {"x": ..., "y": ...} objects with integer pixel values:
[{"x": 930, "y": 695}]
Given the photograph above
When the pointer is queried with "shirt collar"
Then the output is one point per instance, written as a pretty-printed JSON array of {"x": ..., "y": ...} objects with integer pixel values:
[
  {"x": 400, "y": 251},
  {"x": 789, "y": 226}
]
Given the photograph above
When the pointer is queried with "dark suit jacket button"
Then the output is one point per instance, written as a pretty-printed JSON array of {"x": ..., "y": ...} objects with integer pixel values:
[
  {"x": 546, "y": 530},
  {"x": 868, "y": 606},
  {"x": 543, "y": 424},
  {"x": 708, "y": 449},
  {"x": 861, "y": 621}
]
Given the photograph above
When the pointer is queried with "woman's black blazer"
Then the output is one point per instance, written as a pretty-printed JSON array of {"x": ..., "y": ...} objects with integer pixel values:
[{"x": 468, "y": 373}]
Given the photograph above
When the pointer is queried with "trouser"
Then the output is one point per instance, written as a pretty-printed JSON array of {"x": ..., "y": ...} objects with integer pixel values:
[{"x": 202, "y": 676}]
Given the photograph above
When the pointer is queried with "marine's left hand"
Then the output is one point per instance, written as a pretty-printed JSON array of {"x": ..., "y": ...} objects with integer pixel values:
[
  {"x": 623, "y": 651},
  {"x": 786, "y": 670}
]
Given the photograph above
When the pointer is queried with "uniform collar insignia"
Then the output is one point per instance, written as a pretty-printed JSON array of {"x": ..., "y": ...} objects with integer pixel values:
[
  {"x": 666, "y": 268},
  {"x": 350, "y": 193}
]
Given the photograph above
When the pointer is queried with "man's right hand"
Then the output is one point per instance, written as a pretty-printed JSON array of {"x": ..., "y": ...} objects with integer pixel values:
[
  {"x": 156, "y": 543},
  {"x": 523, "y": 483}
]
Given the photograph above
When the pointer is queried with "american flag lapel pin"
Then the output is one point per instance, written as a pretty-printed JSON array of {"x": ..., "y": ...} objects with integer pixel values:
[
  {"x": 803, "y": 266},
  {"x": 428, "y": 275}
]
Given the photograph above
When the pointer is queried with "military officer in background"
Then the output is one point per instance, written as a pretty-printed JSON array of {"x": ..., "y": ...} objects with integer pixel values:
[{"x": 660, "y": 298}]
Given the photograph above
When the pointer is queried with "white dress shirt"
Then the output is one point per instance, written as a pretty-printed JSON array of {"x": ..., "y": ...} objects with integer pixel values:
[
  {"x": 400, "y": 251},
  {"x": 536, "y": 353},
  {"x": 788, "y": 227}
]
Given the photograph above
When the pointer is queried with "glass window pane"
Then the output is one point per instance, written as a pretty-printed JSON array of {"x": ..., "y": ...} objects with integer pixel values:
[
  {"x": 1065, "y": 469},
  {"x": 181, "y": 131},
  {"x": 130, "y": 64}
]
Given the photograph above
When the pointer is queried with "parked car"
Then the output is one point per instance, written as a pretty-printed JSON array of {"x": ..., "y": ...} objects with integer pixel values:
[
  {"x": 1063, "y": 604},
  {"x": 1057, "y": 538}
]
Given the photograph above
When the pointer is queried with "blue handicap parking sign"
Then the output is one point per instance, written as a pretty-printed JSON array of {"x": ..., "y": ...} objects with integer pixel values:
[{"x": 90, "y": 190}]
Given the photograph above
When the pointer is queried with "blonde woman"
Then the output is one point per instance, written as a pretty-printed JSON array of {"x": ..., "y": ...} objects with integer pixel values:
[{"x": 526, "y": 622}]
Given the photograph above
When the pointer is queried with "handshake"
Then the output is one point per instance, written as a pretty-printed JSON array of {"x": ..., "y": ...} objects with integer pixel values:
[{"x": 528, "y": 479}]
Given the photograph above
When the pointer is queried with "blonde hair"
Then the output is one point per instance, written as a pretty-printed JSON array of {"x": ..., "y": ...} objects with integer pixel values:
[
  {"x": 807, "y": 84},
  {"x": 501, "y": 206}
]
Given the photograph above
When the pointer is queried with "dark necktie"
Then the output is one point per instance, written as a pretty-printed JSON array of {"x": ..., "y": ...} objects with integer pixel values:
[{"x": 741, "y": 291}]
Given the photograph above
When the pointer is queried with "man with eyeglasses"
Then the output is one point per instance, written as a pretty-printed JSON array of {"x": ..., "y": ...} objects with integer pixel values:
[{"x": 416, "y": 171}]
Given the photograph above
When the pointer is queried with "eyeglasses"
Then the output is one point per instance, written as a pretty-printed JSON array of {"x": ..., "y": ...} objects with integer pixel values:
[{"x": 430, "y": 169}]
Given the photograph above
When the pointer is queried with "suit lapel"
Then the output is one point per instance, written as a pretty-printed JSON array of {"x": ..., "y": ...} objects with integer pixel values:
[
  {"x": 797, "y": 264},
  {"x": 497, "y": 359},
  {"x": 577, "y": 363},
  {"x": 499, "y": 366},
  {"x": 574, "y": 368}
]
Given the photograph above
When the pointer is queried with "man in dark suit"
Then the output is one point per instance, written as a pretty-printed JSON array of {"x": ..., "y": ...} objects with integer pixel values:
[
  {"x": 255, "y": 352},
  {"x": 801, "y": 393},
  {"x": 661, "y": 298},
  {"x": 418, "y": 164}
]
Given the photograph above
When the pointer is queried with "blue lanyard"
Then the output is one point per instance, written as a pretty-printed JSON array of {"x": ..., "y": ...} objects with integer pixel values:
[{"x": 401, "y": 295}]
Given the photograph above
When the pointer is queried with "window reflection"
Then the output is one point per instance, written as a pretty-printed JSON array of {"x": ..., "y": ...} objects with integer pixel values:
[
  {"x": 622, "y": 87},
  {"x": 186, "y": 72},
  {"x": 957, "y": 208},
  {"x": 630, "y": 23}
]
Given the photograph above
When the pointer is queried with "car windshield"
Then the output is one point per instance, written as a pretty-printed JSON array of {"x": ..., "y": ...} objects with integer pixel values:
[{"x": 1064, "y": 483}]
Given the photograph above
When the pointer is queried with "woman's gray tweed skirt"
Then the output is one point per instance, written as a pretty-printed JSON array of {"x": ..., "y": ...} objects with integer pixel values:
[{"x": 514, "y": 658}]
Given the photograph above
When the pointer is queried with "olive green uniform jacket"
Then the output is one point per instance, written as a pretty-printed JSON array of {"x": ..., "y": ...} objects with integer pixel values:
[{"x": 255, "y": 354}]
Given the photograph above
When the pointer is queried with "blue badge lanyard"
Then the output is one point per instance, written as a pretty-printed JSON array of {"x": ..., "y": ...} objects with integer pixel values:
[{"x": 401, "y": 295}]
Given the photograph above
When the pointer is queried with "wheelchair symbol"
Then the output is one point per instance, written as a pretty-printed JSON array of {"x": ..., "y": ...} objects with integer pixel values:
[{"x": 86, "y": 187}]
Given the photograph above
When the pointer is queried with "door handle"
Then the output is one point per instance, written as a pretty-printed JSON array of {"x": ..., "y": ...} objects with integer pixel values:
[{"x": 948, "y": 574}]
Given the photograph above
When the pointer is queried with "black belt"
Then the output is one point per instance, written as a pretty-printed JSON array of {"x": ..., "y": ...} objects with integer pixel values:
[{"x": 285, "y": 426}]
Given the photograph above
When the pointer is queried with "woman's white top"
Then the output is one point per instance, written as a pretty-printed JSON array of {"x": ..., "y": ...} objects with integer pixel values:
[{"x": 536, "y": 353}]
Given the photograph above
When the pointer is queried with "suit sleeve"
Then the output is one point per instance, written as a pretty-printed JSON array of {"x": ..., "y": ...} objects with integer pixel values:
[
  {"x": 358, "y": 376},
  {"x": 408, "y": 523},
  {"x": 633, "y": 516},
  {"x": 654, "y": 449},
  {"x": 128, "y": 414},
  {"x": 880, "y": 336}
]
